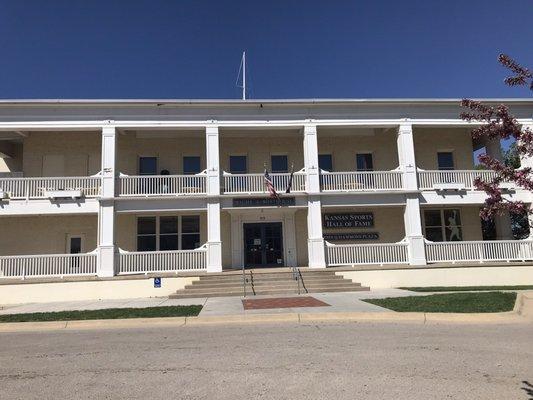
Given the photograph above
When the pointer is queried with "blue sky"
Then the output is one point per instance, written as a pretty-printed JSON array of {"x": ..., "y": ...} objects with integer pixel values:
[{"x": 296, "y": 49}]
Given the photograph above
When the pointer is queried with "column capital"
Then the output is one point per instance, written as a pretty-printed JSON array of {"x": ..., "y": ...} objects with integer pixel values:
[
  {"x": 405, "y": 128},
  {"x": 211, "y": 129}
]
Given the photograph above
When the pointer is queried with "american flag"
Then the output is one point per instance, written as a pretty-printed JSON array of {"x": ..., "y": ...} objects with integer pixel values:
[{"x": 270, "y": 186}]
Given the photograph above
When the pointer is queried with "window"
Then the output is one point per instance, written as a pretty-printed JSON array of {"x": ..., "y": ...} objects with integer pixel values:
[
  {"x": 146, "y": 234},
  {"x": 237, "y": 164},
  {"x": 147, "y": 165},
  {"x": 279, "y": 163},
  {"x": 190, "y": 232},
  {"x": 443, "y": 225},
  {"x": 191, "y": 165},
  {"x": 168, "y": 233},
  {"x": 364, "y": 162},
  {"x": 445, "y": 160},
  {"x": 325, "y": 162}
]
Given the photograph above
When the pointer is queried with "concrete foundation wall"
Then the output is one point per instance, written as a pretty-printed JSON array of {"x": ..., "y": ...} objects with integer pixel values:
[
  {"x": 91, "y": 290},
  {"x": 458, "y": 276}
]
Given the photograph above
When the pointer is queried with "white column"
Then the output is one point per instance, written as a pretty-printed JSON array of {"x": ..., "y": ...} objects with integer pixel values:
[
  {"x": 503, "y": 222},
  {"x": 412, "y": 220},
  {"x": 106, "y": 209},
  {"x": 315, "y": 241},
  {"x": 214, "y": 243}
]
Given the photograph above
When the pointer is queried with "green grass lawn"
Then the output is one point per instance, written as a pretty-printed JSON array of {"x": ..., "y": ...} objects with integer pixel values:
[
  {"x": 465, "y": 288},
  {"x": 477, "y": 302},
  {"x": 110, "y": 313}
]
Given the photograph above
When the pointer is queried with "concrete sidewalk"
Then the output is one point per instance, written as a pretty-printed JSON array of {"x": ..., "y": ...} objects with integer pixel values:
[{"x": 219, "y": 306}]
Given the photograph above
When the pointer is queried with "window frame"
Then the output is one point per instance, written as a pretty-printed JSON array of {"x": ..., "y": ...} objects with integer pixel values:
[
  {"x": 71, "y": 236},
  {"x": 451, "y": 152},
  {"x": 272, "y": 164},
  {"x": 246, "y": 163},
  {"x": 158, "y": 233},
  {"x": 331, "y": 158},
  {"x": 443, "y": 225},
  {"x": 139, "y": 164},
  {"x": 191, "y": 156},
  {"x": 364, "y": 153}
]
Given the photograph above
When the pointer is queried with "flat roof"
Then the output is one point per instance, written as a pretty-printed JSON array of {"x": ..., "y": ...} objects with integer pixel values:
[{"x": 161, "y": 102}]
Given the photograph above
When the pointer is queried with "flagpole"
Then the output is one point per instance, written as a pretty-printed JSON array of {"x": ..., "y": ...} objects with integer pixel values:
[{"x": 244, "y": 75}]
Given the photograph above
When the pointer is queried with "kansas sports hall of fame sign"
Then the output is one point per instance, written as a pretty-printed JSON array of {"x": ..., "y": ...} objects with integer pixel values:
[{"x": 348, "y": 220}]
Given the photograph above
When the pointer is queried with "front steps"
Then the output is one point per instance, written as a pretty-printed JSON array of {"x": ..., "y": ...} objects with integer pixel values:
[{"x": 267, "y": 282}]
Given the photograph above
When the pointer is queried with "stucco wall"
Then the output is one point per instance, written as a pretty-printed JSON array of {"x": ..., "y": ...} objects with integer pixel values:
[
  {"x": 300, "y": 221},
  {"x": 344, "y": 144},
  {"x": 388, "y": 222},
  {"x": 429, "y": 141},
  {"x": 80, "y": 152},
  {"x": 45, "y": 234},
  {"x": 126, "y": 229},
  {"x": 168, "y": 150},
  {"x": 259, "y": 147}
]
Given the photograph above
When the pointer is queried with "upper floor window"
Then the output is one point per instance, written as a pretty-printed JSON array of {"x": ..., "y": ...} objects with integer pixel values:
[
  {"x": 191, "y": 165},
  {"x": 147, "y": 165},
  {"x": 364, "y": 162},
  {"x": 325, "y": 162},
  {"x": 238, "y": 164},
  {"x": 279, "y": 163},
  {"x": 443, "y": 225},
  {"x": 445, "y": 160}
]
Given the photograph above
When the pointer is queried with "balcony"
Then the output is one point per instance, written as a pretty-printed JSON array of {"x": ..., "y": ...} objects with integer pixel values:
[
  {"x": 360, "y": 181},
  {"x": 452, "y": 180},
  {"x": 48, "y": 265},
  {"x": 255, "y": 183},
  {"x": 162, "y": 185},
  {"x": 50, "y": 188}
]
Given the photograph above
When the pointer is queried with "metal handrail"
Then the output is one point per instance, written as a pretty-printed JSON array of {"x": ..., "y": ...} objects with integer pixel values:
[
  {"x": 243, "y": 282},
  {"x": 296, "y": 276}
]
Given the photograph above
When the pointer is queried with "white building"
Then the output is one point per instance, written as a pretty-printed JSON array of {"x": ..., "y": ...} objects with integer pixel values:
[{"x": 108, "y": 187}]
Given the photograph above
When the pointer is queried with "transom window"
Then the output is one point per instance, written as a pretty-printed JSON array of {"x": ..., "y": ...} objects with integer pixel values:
[
  {"x": 147, "y": 165},
  {"x": 364, "y": 162},
  {"x": 279, "y": 163},
  {"x": 325, "y": 162},
  {"x": 238, "y": 164},
  {"x": 443, "y": 225},
  {"x": 168, "y": 233},
  {"x": 191, "y": 165},
  {"x": 445, "y": 160}
]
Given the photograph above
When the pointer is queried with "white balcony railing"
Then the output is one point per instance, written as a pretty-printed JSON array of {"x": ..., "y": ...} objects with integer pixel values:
[
  {"x": 361, "y": 254},
  {"x": 479, "y": 251},
  {"x": 47, "y": 265},
  {"x": 144, "y": 262},
  {"x": 361, "y": 181},
  {"x": 162, "y": 185},
  {"x": 42, "y": 188},
  {"x": 429, "y": 180},
  {"x": 255, "y": 183}
]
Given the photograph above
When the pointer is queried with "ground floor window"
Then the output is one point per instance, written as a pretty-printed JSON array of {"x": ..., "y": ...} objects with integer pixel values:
[
  {"x": 168, "y": 233},
  {"x": 443, "y": 225}
]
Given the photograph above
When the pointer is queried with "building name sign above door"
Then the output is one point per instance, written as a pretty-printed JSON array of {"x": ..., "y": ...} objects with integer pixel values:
[
  {"x": 264, "y": 202},
  {"x": 348, "y": 220}
]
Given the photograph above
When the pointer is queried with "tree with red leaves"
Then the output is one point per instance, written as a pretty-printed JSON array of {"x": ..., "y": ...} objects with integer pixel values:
[{"x": 499, "y": 123}]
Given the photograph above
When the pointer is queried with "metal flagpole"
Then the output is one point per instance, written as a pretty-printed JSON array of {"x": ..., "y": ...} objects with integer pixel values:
[{"x": 244, "y": 75}]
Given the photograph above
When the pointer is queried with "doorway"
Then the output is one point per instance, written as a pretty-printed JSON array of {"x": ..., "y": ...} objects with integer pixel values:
[{"x": 263, "y": 244}]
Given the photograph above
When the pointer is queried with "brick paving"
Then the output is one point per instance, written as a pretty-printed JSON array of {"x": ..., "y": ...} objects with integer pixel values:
[{"x": 282, "y": 302}]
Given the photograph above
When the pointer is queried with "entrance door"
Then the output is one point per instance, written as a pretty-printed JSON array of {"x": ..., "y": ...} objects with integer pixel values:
[{"x": 263, "y": 244}]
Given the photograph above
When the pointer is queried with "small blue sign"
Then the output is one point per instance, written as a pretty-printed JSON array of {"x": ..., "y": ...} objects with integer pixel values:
[{"x": 157, "y": 282}]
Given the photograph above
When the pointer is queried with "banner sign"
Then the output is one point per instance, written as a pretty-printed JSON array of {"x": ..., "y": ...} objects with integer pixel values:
[
  {"x": 352, "y": 236},
  {"x": 264, "y": 202},
  {"x": 352, "y": 220}
]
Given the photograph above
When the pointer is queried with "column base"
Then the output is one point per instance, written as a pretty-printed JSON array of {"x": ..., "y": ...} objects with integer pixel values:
[
  {"x": 317, "y": 253},
  {"x": 214, "y": 256},
  {"x": 106, "y": 261},
  {"x": 417, "y": 250}
]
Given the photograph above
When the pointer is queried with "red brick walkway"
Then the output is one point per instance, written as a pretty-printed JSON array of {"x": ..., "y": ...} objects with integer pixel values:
[{"x": 282, "y": 302}]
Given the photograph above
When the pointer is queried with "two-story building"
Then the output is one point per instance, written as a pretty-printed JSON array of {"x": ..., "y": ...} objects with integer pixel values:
[{"x": 109, "y": 187}]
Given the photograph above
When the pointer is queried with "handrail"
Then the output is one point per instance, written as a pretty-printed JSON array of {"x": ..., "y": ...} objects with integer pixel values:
[
  {"x": 296, "y": 276},
  {"x": 243, "y": 282}
]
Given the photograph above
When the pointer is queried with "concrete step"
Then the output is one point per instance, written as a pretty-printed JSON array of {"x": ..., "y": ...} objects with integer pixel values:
[
  {"x": 308, "y": 283},
  {"x": 264, "y": 281},
  {"x": 278, "y": 288}
]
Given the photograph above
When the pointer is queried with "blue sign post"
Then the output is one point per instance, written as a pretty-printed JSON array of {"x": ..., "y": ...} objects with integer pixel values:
[{"x": 157, "y": 282}]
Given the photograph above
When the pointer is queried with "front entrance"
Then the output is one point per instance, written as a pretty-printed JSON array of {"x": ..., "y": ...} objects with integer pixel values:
[{"x": 263, "y": 244}]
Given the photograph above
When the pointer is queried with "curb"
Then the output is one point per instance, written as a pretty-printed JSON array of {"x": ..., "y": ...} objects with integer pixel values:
[{"x": 394, "y": 317}]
